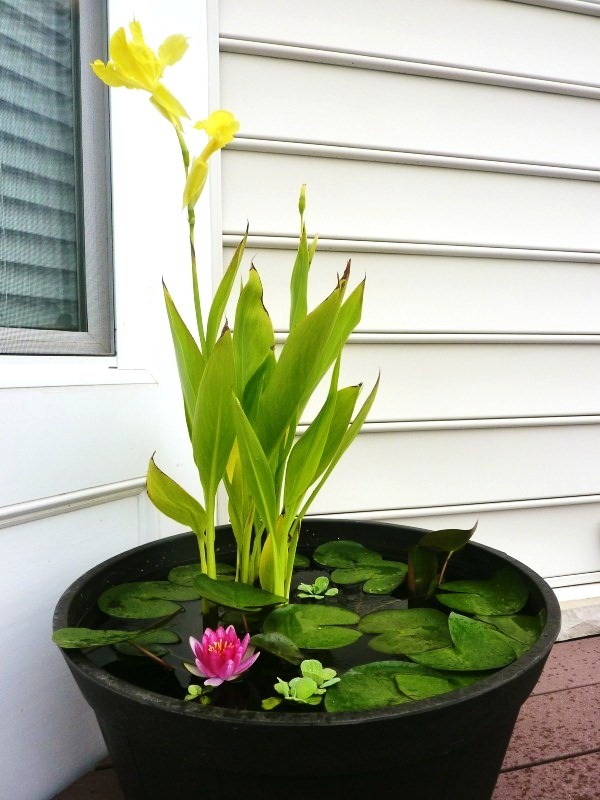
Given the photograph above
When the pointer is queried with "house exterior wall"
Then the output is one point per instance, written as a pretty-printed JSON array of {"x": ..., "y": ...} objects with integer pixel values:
[{"x": 450, "y": 149}]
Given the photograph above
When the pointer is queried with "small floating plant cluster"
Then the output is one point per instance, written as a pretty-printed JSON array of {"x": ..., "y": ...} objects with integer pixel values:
[{"x": 428, "y": 636}]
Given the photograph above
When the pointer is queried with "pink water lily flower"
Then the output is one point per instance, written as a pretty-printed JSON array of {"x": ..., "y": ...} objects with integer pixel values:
[{"x": 221, "y": 656}]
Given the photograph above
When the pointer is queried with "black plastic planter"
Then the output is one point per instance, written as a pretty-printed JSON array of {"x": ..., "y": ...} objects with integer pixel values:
[{"x": 450, "y": 747}]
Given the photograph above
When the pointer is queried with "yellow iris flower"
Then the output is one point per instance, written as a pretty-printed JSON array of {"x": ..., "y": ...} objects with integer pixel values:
[
  {"x": 221, "y": 126},
  {"x": 136, "y": 66}
]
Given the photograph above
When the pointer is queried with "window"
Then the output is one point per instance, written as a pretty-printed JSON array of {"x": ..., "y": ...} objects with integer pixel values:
[{"x": 55, "y": 287}]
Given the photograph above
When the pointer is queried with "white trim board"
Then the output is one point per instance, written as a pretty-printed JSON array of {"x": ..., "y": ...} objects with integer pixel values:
[{"x": 43, "y": 507}]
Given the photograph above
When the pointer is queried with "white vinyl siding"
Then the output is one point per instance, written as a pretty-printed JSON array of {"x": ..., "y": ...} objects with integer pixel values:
[{"x": 450, "y": 149}]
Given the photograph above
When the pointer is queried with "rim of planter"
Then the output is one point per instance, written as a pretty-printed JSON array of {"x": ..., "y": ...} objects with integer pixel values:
[{"x": 537, "y": 652}]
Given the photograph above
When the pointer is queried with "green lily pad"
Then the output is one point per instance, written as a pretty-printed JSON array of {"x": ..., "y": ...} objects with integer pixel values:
[
  {"x": 505, "y": 593},
  {"x": 301, "y": 562},
  {"x": 144, "y": 599},
  {"x": 366, "y": 687},
  {"x": 476, "y": 646},
  {"x": 522, "y": 630},
  {"x": 185, "y": 575},
  {"x": 153, "y": 641},
  {"x": 345, "y": 553},
  {"x": 235, "y": 595},
  {"x": 354, "y": 563},
  {"x": 314, "y": 627},
  {"x": 421, "y": 686},
  {"x": 278, "y": 645},
  {"x": 411, "y": 630},
  {"x": 71, "y": 638},
  {"x": 380, "y": 578}
]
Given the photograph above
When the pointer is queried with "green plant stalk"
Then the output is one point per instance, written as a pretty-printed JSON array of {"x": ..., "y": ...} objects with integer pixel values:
[
  {"x": 185, "y": 155},
  {"x": 294, "y": 535},
  {"x": 280, "y": 552},
  {"x": 211, "y": 562},
  {"x": 201, "y": 539},
  {"x": 151, "y": 656},
  {"x": 246, "y": 573},
  {"x": 256, "y": 551}
]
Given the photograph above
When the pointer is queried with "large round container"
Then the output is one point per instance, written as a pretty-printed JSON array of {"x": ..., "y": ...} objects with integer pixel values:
[{"x": 449, "y": 747}]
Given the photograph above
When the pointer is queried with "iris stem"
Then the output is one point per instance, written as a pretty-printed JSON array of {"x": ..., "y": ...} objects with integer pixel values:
[{"x": 185, "y": 155}]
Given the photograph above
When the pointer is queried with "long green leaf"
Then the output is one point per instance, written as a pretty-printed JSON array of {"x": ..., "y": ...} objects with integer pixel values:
[
  {"x": 190, "y": 361},
  {"x": 306, "y": 454},
  {"x": 254, "y": 388},
  {"x": 173, "y": 501},
  {"x": 221, "y": 298},
  {"x": 347, "y": 440},
  {"x": 297, "y": 372},
  {"x": 344, "y": 408},
  {"x": 256, "y": 468},
  {"x": 213, "y": 429},
  {"x": 253, "y": 335},
  {"x": 299, "y": 282},
  {"x": 346, "y": 322}
]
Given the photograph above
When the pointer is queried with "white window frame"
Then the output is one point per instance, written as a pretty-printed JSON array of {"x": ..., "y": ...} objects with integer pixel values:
[{"x": 90, "y": 21}]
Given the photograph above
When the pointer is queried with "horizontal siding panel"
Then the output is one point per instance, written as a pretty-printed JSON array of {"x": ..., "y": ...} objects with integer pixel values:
[
  {"x": 408, "y": 203},
  {"x": 535, "y": 536},
  {"x": 421, "y": 114},
  {"x": 435, "y": 468},
  {"x": 406, "y": 293},
  {"x": 439, "y": 382},
  {"x": 484, "y": 34}
]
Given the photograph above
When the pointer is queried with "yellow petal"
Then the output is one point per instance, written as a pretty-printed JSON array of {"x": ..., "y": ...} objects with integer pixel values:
[
  {"x": 163, "y": 97},
  {"x": 107, "y": 73},
  {"x": 220, "y": 125},
  {"x": 129, "y": 62},
  {"x": 135, "y": 28},
  {"x": 144, "y": 55},
  {"x": 174, "y": 120},
  {"x": 195, "y": 182},
  {"x": 172, "y": 49}
]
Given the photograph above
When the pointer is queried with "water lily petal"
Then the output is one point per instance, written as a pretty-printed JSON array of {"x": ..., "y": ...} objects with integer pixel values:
[{"x": 221, "y": 656}]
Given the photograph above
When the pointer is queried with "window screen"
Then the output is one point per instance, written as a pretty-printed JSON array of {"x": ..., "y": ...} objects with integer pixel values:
[{"x": 54, "y": 243}]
